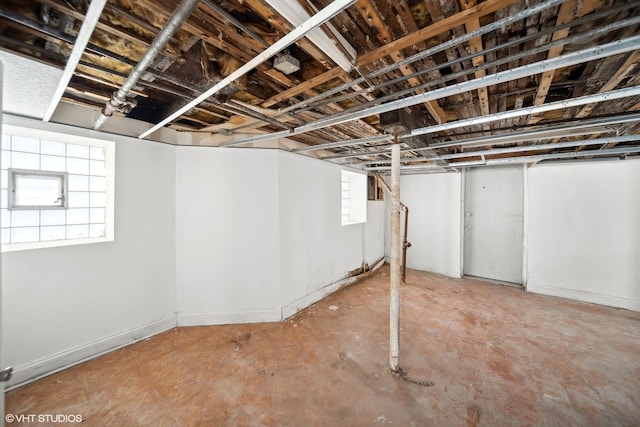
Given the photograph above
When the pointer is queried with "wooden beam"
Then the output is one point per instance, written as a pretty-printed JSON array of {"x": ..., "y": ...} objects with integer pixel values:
[
  {"x": 629, "y": 66},
  {"x": 357, "y": 87},
  {"x": 371, "y": 15},
  {"x": 435, "y": 29},
  {"x": 331, "y": 74},
  {"x": 566, "y": 14},
  {"x": 475, "y": 46},
  {"x": 171, "y": 52},
  {"x": 280, "y": 24}
]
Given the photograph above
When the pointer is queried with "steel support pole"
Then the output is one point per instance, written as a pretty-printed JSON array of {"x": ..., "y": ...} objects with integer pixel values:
[{"x": 394, "y": 309}]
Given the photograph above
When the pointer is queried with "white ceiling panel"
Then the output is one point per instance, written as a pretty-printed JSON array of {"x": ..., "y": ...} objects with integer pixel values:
[{"x": 28, "y": 86}]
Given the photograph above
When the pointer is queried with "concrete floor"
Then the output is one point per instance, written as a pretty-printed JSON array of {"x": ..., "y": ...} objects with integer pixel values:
[{"x": 496, "y": 356}]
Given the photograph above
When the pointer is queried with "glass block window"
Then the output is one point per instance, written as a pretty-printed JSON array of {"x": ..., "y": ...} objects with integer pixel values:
[
  {"x": 55, "y": 189},
  {"x": 354, "y": 198}
]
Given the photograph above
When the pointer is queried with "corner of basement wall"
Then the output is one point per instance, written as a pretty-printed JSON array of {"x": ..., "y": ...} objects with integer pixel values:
[
  {"x": 316, "y": 250},
  {"x": 227, "y": 236}
]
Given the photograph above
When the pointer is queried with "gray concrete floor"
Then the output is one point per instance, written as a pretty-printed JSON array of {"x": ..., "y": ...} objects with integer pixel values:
[{"x": 496, "y": 356}]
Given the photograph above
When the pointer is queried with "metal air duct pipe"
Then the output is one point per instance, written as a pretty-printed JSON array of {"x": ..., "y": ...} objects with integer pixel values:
[{"x": 119, "y": 99}]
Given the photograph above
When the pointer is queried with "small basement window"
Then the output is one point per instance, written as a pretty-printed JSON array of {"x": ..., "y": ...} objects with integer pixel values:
[
  {"x": 30, "y": 189},
  {"x": 354, "y": 198}
]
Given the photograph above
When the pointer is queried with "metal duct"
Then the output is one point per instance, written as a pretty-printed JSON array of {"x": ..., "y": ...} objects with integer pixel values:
[{"x": 119, "y": 99}]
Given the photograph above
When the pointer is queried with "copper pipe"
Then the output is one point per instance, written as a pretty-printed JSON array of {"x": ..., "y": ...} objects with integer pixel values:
[{"x": 405, "y": 243}]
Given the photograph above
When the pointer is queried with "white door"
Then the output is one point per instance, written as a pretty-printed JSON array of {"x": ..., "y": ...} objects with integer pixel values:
[{"x": 493, "y": 222}]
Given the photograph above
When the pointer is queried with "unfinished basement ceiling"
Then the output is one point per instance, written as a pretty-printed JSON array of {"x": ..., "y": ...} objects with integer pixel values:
[{"x": 473, "y": 82}]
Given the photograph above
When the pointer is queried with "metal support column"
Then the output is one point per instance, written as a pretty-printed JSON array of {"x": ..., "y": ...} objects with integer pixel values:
[{"x": 395, "y": 246}]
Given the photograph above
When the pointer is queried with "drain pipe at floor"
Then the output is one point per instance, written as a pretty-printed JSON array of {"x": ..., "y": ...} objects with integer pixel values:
[{"x": 118, "y": 101}]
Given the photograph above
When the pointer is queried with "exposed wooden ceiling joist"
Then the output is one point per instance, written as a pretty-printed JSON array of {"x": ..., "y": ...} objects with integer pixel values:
[{"x": 220, "y": 36}]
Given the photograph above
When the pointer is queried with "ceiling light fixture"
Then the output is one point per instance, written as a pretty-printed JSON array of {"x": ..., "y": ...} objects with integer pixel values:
[
  {"x": 286, "y": 63},
  {"x": 296, "y": 15},
  {"x": 324, "y": 15}
]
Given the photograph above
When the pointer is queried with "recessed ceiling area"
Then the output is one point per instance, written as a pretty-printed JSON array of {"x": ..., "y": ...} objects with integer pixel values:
[{"x": 466, "y": 71}]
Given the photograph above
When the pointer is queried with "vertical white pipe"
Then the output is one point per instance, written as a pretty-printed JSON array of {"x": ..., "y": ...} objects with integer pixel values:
[{"x": 395, "y": 247}]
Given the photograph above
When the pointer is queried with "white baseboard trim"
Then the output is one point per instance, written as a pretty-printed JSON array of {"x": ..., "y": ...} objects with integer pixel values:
[
  {"x": 422, "y": 267},
  {"x": 584, "y": 296},
  {"x": 226, "y": 318},
  {"x": 312, "y": 298},
  {"x": 51, "y": 364},
  {"x": 304, "y": 302}
]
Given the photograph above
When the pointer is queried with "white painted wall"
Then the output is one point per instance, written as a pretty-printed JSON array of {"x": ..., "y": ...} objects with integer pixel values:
[
  {"x": 232, "y": 235},
  {"x": 584, "y": 231},
  {"x": 374, "y": 232},
  {"x": 316, "y": 251},
  {"x": 61, "y": 305},
  {"x": 214, "y": 235},
  {"x": 434, "y": 221},
  {"x": 227, "y": 236},
  {"x": 259, "y": 234}
]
